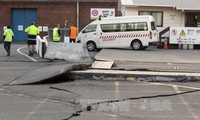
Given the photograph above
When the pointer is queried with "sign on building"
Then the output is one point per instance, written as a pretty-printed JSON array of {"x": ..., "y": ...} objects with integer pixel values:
[
  {"x": 184, "y": 35},
  {"x": 96, "y": 12}
]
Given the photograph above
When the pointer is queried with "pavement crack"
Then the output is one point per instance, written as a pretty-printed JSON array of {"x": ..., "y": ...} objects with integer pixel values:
[
  {"x": 56, "y": 88},
  {"x": 36, "y": 98},
  {"x": 9, "y": 83},
  {"x": 89, "y": 107}
]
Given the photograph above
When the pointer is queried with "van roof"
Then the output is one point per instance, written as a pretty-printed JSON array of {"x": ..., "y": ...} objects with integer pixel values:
[
  {"x": 125, "y": 18},
  {"x": 131, "y": 17}
]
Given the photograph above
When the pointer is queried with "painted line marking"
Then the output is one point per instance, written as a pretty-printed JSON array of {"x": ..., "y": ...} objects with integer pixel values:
[
  {"x": 182, "y": 99},
  {"x": 18, "y": 50},
  {"x": 163, "y": 84},
  {"x": 37, "y": 107}
]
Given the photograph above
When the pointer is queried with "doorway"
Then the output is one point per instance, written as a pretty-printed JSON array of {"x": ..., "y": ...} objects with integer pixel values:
[{"x": 21, "y": 18}]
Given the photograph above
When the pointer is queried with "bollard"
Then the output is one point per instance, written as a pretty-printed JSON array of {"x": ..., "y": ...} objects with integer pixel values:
[
  {"x": 179, "y": 45},
  {"x": 166, "y": 44}
]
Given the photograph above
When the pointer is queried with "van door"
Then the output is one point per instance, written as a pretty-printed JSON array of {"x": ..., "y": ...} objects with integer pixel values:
[
  {"x": 153, "y": 36},
  {"x": 89, "y": 33},
  {"x": 109, "y": 35}
]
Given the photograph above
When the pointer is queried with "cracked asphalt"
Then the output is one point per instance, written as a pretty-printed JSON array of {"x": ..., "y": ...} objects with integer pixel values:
[{"x": 90, "y": 99}]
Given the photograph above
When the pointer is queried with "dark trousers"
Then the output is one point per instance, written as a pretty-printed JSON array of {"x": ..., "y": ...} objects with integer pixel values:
[
  {"x": 7, "y": 46},
  {"x": 72, "y": 40}
]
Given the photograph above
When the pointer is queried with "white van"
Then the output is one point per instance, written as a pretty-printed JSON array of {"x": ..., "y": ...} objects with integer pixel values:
[{"x": 119, "y": 32}]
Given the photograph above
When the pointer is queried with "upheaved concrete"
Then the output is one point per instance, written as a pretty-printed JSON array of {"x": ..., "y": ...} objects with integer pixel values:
[
  {"x": 135, "y": 75},
  {"x": 21, "y": 70},
  {"x": 73, "y": 52},
  {"x": 42, "y": 74},
  {"x": 153, "y": 59},
  {"x": 47, "y": 73},
  {"x": 149, "y": 65}
]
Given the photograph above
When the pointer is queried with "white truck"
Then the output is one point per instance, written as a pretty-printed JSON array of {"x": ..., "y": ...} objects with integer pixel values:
[{"x": 119, "y": 32}]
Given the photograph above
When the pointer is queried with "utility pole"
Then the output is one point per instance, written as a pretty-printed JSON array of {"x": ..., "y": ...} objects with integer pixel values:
[{"x": 77, "y": 15}]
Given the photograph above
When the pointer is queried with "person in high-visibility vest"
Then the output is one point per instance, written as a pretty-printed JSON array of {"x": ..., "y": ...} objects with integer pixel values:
[
  {"x": 32, "y": 32},
  {"x": 8, "y": 37},
  {"x": 56, "y": 34},
  {"x": 72, "y": 33}
]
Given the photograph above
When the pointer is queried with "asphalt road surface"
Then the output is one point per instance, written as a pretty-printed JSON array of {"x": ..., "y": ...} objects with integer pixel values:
[
  {"x": 89, "y": 99},
  {"x": 101, "y": 100}
]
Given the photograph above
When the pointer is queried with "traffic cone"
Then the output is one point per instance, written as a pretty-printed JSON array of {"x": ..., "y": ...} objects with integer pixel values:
[{"x": 166, "y": 44}]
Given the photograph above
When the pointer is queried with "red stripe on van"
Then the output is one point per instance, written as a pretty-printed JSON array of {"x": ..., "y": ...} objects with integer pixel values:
[{"x": 125, "y": 36}]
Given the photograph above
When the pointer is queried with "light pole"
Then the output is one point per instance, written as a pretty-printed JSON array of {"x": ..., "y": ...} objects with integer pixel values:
[{"x": 77, "y": 15}]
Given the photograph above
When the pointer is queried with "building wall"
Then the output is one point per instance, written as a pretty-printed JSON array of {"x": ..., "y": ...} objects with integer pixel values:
[
  {"x": 85, "y": 11},
  {"x": 52, "y": 13},
  {"x": 171, "y": 17}
]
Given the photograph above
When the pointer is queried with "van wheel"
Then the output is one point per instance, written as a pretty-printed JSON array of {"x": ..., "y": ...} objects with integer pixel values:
[
  {"x": 91, "y": 46},
  {"x": 136, "y": 45}
]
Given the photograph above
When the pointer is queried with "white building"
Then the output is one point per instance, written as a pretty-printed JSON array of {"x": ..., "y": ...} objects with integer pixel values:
[
  {"x": 173, "y": 13},
  {"x": 168, "y": 13}
]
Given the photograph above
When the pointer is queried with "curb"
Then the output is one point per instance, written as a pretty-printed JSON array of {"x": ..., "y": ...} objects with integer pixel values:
[{"x": 149, "y": 76}]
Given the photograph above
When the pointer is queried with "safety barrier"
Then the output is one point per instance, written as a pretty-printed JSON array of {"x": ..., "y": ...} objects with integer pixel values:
[{"x": 72, "y": 52}]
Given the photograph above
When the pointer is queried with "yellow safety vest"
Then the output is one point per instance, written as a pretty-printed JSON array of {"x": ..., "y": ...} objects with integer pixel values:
[
  {"x": 8, "y": 33},
  {"x": 56, "y": 36},
  {"x": 32, "y": 30}
]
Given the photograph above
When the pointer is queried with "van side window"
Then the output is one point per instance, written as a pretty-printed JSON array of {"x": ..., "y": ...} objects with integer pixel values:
[
  {"x": 90, "y": 28},
  {"x": 137, "y": 26},
  {"x": 123, "y": 27},
  {"x": 130, "y": 27},
  {"x": 110, "y": 27},
  {"x": 141, "y": 26}
]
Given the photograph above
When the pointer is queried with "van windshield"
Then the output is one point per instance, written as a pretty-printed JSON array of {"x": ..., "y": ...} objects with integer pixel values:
[
  {"x": 90, "y": 28},
  {"x": 153, "y": 26}
]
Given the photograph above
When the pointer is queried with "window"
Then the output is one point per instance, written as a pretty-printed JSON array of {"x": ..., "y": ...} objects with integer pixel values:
[
  {"x": 153, "y": 26},
  {"x": 90, "y": 28},
  {"x": 123, "y": 27},
  {"x": 158, "y": 16},
  {"x": 110, "y": 27},
  {"x": 140, "y": 26},
  {"x": 137, "y": 26}
]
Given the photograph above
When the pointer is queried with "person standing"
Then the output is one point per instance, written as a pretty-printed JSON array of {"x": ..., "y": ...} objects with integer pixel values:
[
  {"x": 72, "y": 33},
  {"x": 56, "y": 34},
  {"x": 8, "y": 37},
  {"x": 32, "y": 32}
]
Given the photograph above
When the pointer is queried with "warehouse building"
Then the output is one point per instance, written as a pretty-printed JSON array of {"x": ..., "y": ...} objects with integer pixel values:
[{"x": 48, "y": 13}]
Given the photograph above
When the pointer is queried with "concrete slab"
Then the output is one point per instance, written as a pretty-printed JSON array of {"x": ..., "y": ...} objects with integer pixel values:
[
  {"x": 102, "y": 65},
  {"x": 150, "y": 55},
  {"x": 153, "y": 59},
  {"x": 45, "y": 73}
]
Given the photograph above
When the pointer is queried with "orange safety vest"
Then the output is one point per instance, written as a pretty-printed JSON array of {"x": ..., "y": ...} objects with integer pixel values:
[{"x": 72, "y": 32}]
